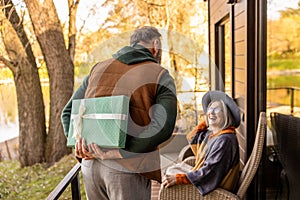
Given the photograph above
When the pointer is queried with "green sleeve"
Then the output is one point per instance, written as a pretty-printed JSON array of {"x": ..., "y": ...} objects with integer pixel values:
[
  {"x": 66, "y": 112},
  {"x": 162, "y": 122}
]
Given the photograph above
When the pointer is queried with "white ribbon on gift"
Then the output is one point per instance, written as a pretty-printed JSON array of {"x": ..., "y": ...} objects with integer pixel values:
[
  {"x": 77, "y": 121},
  {"x": 77, "y": 118}
]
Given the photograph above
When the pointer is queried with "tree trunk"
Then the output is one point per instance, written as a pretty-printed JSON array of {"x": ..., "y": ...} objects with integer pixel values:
[
  {"x": 60, "y": 67},
  {"x": 73, "y": 6},
  {"x": 32, "y": 131}
]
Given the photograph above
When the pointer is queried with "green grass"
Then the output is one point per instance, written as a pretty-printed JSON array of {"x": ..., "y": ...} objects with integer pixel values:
[
  {"x": 36, "y": 182},
  {"x": 284, "y": 81},
  {"x": 283, "y": 96},
  {"x": 283, "y": 64}
]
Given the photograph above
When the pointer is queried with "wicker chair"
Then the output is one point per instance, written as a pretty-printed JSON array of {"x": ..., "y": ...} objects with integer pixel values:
[
  {"x": 189, "y": 192},
  {"x": 286, "y": 130}
]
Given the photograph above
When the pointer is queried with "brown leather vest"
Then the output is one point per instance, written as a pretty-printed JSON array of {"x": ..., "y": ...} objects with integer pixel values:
[{"x": 139, "y": 82}]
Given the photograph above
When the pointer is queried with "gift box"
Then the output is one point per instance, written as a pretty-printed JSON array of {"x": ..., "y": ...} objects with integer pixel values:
[{"x": 101, "y": 120}]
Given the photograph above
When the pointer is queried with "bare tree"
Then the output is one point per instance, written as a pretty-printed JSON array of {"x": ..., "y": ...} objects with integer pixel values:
[
  {"x": 36, "y": 144},
  {"x": 48, "y": 31},
  {"x": 73, "y": 6},
  {"x": 20, "y": 60}
]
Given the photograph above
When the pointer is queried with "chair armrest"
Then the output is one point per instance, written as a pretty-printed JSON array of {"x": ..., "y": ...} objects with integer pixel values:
[
  {"x": 184, "y": 153},
  {"x": 190, "y": 161},
  {"x": 189, "y": 192}
]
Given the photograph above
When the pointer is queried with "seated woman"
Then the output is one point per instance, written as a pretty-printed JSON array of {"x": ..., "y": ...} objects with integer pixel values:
[{"x": 215, "y": 146}]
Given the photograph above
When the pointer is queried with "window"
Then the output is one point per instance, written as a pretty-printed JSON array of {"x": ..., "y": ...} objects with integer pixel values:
[{"x": 224, "y": 57}]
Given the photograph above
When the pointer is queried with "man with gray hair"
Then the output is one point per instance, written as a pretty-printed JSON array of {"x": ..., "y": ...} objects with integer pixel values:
[{"x": 134, "y": 71}]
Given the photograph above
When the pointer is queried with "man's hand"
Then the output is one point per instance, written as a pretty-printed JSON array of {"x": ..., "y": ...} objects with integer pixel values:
[
  {"x": 81, "y": 150},
  {"x": 169, "y": 180},
  {"x": 104, "y": 154}
]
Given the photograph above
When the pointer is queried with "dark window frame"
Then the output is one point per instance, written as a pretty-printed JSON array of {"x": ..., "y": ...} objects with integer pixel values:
[{"x": 220, "y": 52}]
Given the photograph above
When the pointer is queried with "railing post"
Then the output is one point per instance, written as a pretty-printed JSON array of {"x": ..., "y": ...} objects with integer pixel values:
[
  {"x": 292, "y": 100},
  {"x": 75, "y": 188},
  {"x": 291, "y": 93}
]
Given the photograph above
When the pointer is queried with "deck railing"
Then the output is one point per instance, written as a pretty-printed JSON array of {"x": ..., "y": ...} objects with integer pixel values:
[
  {"x": 71, "y": 178},
  {"x": 291, "y": 92}
]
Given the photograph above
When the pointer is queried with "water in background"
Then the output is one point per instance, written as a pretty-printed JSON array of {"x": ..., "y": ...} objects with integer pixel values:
[{"x": 9, "y": 127}]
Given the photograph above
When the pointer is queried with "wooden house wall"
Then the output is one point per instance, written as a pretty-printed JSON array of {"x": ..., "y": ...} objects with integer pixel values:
[
  {"x": 218, "y": 10},
  {"x": 249, "y": 64}
]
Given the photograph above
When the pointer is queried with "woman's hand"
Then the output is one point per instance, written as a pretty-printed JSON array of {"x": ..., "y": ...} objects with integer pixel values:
[
  {"x": 169, "y": 180},
  {"x": 104, "y": 154}
]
